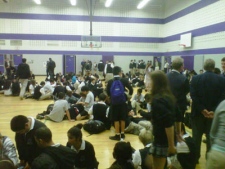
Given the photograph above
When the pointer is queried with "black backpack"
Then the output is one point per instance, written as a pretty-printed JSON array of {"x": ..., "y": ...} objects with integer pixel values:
[
  {"x": 37, "y": 93},
  {"x": 94, "y": 126},
  {"x": 15, "y": 88}
]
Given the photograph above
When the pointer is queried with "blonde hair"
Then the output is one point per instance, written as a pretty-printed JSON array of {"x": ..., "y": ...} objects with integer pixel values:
[{"x": 146, "y": 136}]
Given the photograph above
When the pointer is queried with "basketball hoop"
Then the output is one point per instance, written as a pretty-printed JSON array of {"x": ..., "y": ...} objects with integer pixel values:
[{"x": 182, "y": 45}]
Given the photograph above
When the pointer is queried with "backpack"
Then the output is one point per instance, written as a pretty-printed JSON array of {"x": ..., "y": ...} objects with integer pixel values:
[
  {"x": 15, "y": 88},
  {"x": 37, "y": 93},
  {"x": 94, "y": 126},
  {"x": 117, "y": 94}
]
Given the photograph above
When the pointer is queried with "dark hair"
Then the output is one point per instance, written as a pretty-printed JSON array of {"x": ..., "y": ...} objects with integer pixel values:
[
  {"x": 116, "y": 70},
  {"x": 42, "y": 83},
  {"x": 75, "y": 131},
  {"x": 85, "y": 89},
  {"x": 102, "y": 96},
  {"x": 51, "y": 80},
  {"x": 160, "y": 84},
  {"x": 97, "y": 76},
  {"x": 61, "y": 95},
  {"x": 24, "y": 60},
  {"x": 223, "y": 59},
  {"x": 148, "y": 97},
  {"x": 18, "y": 123},
  {"x": 139, "y": 90},
  {"x": 122, "y": 152},
  {"x": 43, "y": 133},
  {"x": 217, "y": 71}
]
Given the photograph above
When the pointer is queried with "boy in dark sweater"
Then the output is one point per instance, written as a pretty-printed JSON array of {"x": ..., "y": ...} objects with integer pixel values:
[
  {"x": 25, "y": 127},
  {"x": 84, "y": 151},
  {"x": 100, "y": 110},
  {"x": 54, "y": 156}
]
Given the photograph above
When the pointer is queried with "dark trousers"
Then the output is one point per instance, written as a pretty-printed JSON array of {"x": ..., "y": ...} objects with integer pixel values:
[
  {"x": 8, "y": 73},
  {"x": 200, "y": 126}
]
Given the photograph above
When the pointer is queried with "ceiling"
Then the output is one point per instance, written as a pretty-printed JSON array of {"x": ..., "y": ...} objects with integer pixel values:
[{"x": 115, "y": 2}]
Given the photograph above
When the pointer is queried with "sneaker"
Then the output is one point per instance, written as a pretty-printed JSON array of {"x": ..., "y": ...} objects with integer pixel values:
[
  {"x": 116, "y": 137},
  {"x": 40, "y": 117},
  {"x": 122, "y": 137}
]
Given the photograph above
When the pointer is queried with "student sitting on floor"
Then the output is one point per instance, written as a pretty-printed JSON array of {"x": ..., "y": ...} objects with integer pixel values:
[
  {"x": 25, "y": 127},
  {"x": 185, "y": 150},
  {"x": 37, "y": 91},
  {"x": 31, "y": 89},
  {"x": 59, "y": 88},
  {"x": 141, "y": 158},
  {"x": 8, "y": 150},
  {"x": 100, "y": 110},
  {"x": 137, "y": 100},
  {"x": 70, "y": 98},
  {"x": 53, "y": 156},
  {"x": 46, "y": 91},
  {"x": 84, "y": 150},
  {"x": 85, "y": 103},
  {"x": 59, "y": 110},
  {"x": 122, "y": 153}
]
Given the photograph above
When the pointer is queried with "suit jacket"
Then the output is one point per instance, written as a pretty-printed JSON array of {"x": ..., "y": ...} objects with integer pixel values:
[
  {"x": 207, "y": 91},
  {"x": 180, "y": 87}
]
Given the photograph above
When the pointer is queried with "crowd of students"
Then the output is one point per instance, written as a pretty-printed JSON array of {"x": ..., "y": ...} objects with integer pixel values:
[{"x": 79, "y": 97}]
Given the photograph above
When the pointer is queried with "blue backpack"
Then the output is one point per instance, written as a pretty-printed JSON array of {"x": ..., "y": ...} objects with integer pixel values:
[{"x": 117, "y": 94}]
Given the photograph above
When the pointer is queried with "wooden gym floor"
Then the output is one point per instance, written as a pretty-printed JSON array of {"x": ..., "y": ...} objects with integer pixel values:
[{"x": 11, "y": 106}]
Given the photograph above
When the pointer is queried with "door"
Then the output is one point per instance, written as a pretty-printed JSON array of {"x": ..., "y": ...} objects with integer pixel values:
[
  {"x": 70, "y": 63},
  {"x": 17, "y": 59},
  {"x": 188, "y": 62},
  {"x": 2, "y": 63}
]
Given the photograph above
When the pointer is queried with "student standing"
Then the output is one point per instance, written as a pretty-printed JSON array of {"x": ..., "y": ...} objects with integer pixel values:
[
  {"x": 163, "y": 118},
  {"x": 23, "y": 73},
  {"x": 119, "y": 108},
  {"x": 179, "y": 86}
]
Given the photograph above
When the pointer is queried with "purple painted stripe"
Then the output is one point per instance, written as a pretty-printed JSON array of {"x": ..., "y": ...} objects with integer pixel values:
[
  {"x": 196, "y": 52},
  {"x": 78, "y": 38},
  {"x": 80, "y": 18},
  {"x": 110, "y": 53},
  {"x": 219, "y": 27},
  {"x": 190, "y": 9},
  {"x": 103, "y": 53}
]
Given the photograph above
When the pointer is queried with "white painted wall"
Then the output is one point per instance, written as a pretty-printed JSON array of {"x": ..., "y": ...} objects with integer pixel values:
[
  {"x": 37, "y": 63},
  {"x": 217, "y": 58},
  {"x": 198, "y": 62}
]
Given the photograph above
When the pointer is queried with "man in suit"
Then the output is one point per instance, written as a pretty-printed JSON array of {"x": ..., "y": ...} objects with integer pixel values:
[
  {"x": 179, "y": 86},
  {"x": 207, "y": 91},
  {"x": 223, "y": 66}
]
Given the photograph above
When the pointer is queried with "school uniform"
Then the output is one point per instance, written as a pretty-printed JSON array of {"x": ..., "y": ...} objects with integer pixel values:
[{"x": 85, "y": 156}]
